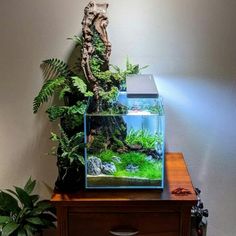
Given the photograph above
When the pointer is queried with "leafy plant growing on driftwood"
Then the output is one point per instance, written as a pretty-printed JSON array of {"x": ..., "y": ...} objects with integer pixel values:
[
  {"x": 131, "y": 69},
  {"x": 89, "y": 78},
  {"x": 22, "y": 213}
]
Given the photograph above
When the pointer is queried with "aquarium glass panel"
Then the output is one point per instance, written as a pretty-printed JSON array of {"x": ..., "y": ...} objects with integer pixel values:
[{"x": 126, "y": 149}]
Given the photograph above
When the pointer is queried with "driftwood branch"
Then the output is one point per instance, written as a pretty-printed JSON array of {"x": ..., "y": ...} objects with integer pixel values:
[{"x": 94, "y": 18}]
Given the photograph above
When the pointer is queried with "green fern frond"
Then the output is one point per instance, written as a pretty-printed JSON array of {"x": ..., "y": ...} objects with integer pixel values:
[
  {"x": 80, "y": 158},
  {"x": 55, "y": 67},
  {"x": 77, "y": 39},
  {"x": 47, "y": 91},
  {"x": 79, "y": 84},
  {"x": 78, "y": 138},
  {"x": 64, "y": 140},
  {"x": 65, "y": 90}
]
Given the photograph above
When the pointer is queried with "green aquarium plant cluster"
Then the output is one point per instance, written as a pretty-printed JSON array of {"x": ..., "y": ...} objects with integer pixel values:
[
  {"x": 144, "y": 167},
  {"x": 22, "y": 213},
  {"x": 143, "y": 138}
]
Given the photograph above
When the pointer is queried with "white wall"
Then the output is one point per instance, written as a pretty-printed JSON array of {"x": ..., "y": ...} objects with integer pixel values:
[{"x": 190, "y": 47}]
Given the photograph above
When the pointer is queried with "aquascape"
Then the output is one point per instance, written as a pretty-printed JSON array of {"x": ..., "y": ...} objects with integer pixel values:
[
  {"x": 111, "y": 132},
  {"x": 124, "y": 132},
  {"x": 125, "y": 148}
]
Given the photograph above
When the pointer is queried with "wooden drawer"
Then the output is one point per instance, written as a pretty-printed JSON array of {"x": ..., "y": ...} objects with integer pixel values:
[{"x": 147, "y": 224}]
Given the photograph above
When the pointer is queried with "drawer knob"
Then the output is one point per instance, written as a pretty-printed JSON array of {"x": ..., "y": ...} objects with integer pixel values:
[{"x": 124, "y": 232}]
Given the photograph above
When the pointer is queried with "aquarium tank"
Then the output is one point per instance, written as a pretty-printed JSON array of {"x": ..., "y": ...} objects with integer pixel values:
[{"x": 125, "y": 144}]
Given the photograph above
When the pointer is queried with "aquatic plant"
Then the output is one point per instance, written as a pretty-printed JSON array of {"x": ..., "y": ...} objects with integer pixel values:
[
  {"x": 143, "y": 138},
  {"x": 146, "y": 169},
  {"x": 155, "y": 110}
]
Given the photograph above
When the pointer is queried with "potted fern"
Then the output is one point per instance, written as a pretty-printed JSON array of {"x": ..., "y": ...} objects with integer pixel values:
[{"x": 22, "y": 213}]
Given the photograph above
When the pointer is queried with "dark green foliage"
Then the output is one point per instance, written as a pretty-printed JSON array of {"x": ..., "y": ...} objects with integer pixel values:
[
  {"x": 95, "y": 64},
  {"x": 22, "y": 214},
  {"x": 8, "y": 203},
  {"x": 143, "y": 138},
  {"x": 48, "y": 89},
  {"x": 56, "y": 67},
  {"x": 146, "y": 169},
  {"x": 108, "y": 96},
  {"x": 55, "y": 112},
  {"x": 72, "y": 123},
  {"x": 98, "y": 143},
  {"x": 80, "y": 86},
  {"x": 65, "y": 85},
  {"x": 131, "y": 69},
  {"x": 98, "y": 44},
  {"x": 70, "y": 146}
]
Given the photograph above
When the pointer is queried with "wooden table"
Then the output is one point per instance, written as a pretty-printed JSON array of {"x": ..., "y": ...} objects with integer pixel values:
[{"x": 130, "y": 212}]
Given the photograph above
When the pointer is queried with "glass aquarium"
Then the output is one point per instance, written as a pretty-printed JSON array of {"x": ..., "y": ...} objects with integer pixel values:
[{"x": 126, "y": 150}]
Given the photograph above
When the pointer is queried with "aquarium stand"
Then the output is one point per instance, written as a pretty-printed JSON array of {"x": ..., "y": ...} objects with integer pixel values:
[{"x": 131, "y": 212}]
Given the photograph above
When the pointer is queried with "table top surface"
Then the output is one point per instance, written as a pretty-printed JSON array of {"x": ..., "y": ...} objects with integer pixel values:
[{"x": 176, "y": 176}]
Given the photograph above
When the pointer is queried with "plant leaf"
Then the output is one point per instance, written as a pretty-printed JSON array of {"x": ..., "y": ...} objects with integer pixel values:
[
  {"x": 23, "y": 213},
  {"x": 55, "y": 67},
  {"x": 35, "y": 220},
  {"x": 34, "y": 198},
  {"x": 77, "y": 39},
  {"x": 11, "y": 191},
  {"x": 79, "y": 108},
  {"x": 24, "y": 197},
  {"x": 29, "y": 186},
  {"x": 54, "y": 137},
  {"x": 48, "y": 217},
  {"x": 8, "y": 203},
  {"x": 9, "y": 228},
  {"x": 47, "y": 91},
  {"x": 41, "y": 207},
  {"x": 80, "y": 158},
  {"x": 21, "y": 232},
  {"x": 65, "y": 90},
  {"x": 29, "y": 230},
  {"x": 55, "y": 112},
  {"x": 5, "y": 219},
  {"x": 79, "y": 84}
]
